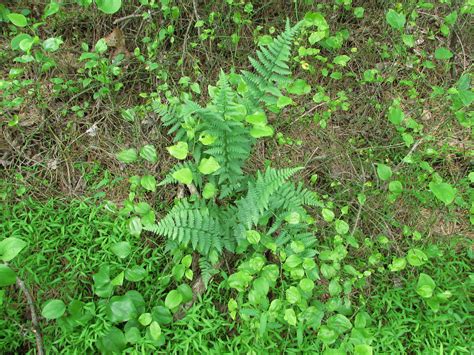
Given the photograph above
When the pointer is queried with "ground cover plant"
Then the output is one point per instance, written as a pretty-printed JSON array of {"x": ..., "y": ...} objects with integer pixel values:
[{"x": 236, "y": 177}]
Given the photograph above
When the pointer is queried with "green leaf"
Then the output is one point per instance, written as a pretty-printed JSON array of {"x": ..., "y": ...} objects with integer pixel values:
[
  {"x": 425, "y": 286},
  {"x": 148, "y": 182},
  {"x": 121, "y": 309},
  {"x": 293, "y": 295},
  {"x": 327, "y": 335},
  {"x": 259, "y": 131},
  {"x": 15, "y": 42},
  {"x": 100, "y": 46},
  {"x": 7, "y": 276},
  {"x": 148, "y": 152},
  {"x": 341, "y": 227},
  {"x": 155, "y": 330},
  {"x": 173, "y": 299},
  {"x": 257, "y": 118},
  {"x": 398, "y": 264},
  {"x": 118, "y": 280},
  {"x": 145, "y": 319},
  {"x": 206, "y": 138},
  {"x": 184, "y": 176},
  {"x": 395, "y": 187},
  {"x": 179, "y": 150},
  {"x": 341, "y": 60},
  {"x": 132, "y": 335},
  {"x": 316, "y": 19},
  {"x": 317, "y": 36},
  {"x": 52, "y": 44},
  {"x": 209, "y": 190},
  {"x": 443, "y": 192},
  {"x": 208, "y": 166},
  {"x": 51, "y": 9},
  {"x": 443, "y": 54},
  {"x": 384, "y": 172},
  {"x": 109, "y": 6},
  {"x": 135, "y": 274},
  {"x": 395, "y": 20},
  {"x": 121, "y": 249},
  {"x": 307, "y": 285},
  {"x": 186, "y": 291},
  {"x": 102, "y": 284},
  {"x": 239, "y": 280},
  {"x": 416, "y": 257},
  {"x": 253, "y": 237},
  {"x": 113, "y": 342},
  {"x": 359, "y": 12},
  {"x": 53, "y": 309},
  {"x": 299, "y": 87},
  {"x": 409, "y": 40},
  {"x": 328, "y": 215},
  {"x": 18, "y": 20},
  {"x": 284, "y": 101},
  {"x": 10, "y": 247},
  {"x": 363, "y": 349},
  {"x": 290, "y": 316},
  {"x": 127, "y": 155},
  {"x": 135, "y": 226},
  {"x": 339, "y": 323}
]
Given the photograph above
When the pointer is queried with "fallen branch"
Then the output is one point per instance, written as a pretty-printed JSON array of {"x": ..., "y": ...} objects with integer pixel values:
[{"x": 34, "y": 318}]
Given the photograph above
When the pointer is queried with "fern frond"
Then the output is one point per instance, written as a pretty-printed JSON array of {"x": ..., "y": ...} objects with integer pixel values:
[
  {"x": 191, "y": 223},
  {"x": 253, "y": 206},
  {"x": 169, "y": 179},
  {"x": 232, "y": 147},
  {"x": 271, "y": 68}
]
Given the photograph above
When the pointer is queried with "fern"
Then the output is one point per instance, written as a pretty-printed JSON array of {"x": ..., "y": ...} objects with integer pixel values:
[
  {"x": 252, "y": 206},
  {"x": 271, "y": 68},
  {"x": 191, "y": 223}
]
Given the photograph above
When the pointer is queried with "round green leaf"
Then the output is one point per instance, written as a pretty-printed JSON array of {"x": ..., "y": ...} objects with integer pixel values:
[
  {"x": 425, "y": 286},
  {"x": 257, "y": 118},
  {"x": 109, "y": 6},
  {"x": 384, "y": 171},
  {"x": 148, "y": 182},
  {"x": 253, "y": 237},
  {"x": 443, "y": 192},
  {"x": 7, "y": 276},
  {"x": 135, "y": 274},
  {"x": 173, "y": 299},
  {"x": 128, "y": 155},
  {"x": 327, "y": 335},
  {"x": 184, "y": 176},
  {"x": 15, "y": 42},
  {"x": 155, "y": 330},
  {"x": 148, "y": 152},
  {"x": 208, "y": 166},
  {"x": 179, "y": 150},
  {"x": 299, "y": 87},
  {"x": 328, "y": 215},
  {"x": 209, "y": 190},
  {"x": 284, "y": 101},
  {"x": 121, "y": 249},
  {"x": 10, "y": 247},
  {"x": 53, "y": 309},
  {"x": 395, "y": 20},
  {"x": 443, "y": 53},
  {"x": 145, "y": 319},
  {"x": 341, "y": 227},
  {"x": 18, "y": 20},
  {"x": 135, "y": 226},
  {"x": 259, "y": 131},
  {"x": 290, "y": 316}
]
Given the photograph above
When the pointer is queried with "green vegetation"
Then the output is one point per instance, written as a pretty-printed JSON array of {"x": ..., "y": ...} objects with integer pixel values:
[{"x": 236, "y": 177}]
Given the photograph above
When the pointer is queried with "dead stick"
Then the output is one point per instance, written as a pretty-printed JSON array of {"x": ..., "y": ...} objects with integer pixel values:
[{"x": 34, "y": 318}]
